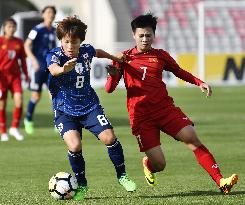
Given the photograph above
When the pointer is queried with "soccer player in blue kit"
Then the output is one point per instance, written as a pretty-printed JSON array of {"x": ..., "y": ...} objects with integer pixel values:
[
  {"x": 75, "y": 103},
  {"x": 40, "y": 40}
]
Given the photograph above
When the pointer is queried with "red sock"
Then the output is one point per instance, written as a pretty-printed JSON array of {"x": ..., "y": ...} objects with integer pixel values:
[
  {"x": 149, "y": 166},
  {"x": 3, "y": 127},
  {"x": 16, "y": 116},
  {"x": 207, "y": 161}
]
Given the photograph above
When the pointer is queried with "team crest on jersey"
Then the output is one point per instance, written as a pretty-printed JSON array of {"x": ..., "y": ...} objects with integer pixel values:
[
  {"x": 153, "y": 60},
  {"x": 11, "y": 54},
  {"x": 17, "y": 47},
  {"x": 4, "y": 46},
  {"x": 79, "y": 68}
]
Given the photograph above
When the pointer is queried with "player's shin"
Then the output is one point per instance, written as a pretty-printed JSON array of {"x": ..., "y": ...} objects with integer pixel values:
[
  {"x": 207, "y": 161},
  {"x": 30, "y": 109},
  {"x": 78, "y": 167},
  {"x": 16, "y": 117},
  {"x": 115, "y": 152}
]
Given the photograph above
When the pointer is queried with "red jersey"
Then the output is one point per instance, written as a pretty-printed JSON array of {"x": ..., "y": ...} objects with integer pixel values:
[
  {"x": 10, "y": 51},
  {"x": 142, "y": 72}
]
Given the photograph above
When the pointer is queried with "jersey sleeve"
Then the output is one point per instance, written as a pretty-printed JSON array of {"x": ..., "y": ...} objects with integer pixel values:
[
  {"x": 172, "y": 66},
  {"x": 33, "y": 34},
  {"x": 113, "y": 81},
  {"x": 91, "y": 51},
  {"x": 52, "y": 58}
]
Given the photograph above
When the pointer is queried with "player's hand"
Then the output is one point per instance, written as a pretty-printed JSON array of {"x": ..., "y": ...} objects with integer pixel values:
[
  {"x": 112, "y": 70},
  {"x": 205, "y": 86},
  {"x": 120, "y": 57},
  {"x": 69, "y": 65},
  {"x": 35, "y": 65}
]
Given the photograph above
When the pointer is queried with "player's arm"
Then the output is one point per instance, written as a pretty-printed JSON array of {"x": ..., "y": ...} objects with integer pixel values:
[
  {"x": 114, "y": 76},
  {"x": 28, "y": 50},
  {"x": 173, "y": 67},
  {"x": 23, "y": 62},
  {"x": 103, "y": 54},
  {"x": 57, "y": 70}
]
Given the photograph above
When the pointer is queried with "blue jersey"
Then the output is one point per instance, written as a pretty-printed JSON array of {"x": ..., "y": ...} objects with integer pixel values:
[
  {"x": 71, "y": 92},
  {"x": 43, "y": 40}
]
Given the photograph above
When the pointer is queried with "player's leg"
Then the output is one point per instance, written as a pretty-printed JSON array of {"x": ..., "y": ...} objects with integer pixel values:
[
  {"x": 37, "y": 80},
  {"x": 100, "y": 126},
  {"x": 115, "y": 152},
  {"x": 205, "y": 158},
  {"x": 3, "y": 126},
  {"x": 16, "y": 90},
  {"x": 153, "y": 162},
  {"x": 16, "y": 116},
  {"x": 70, "y": 131},
  {"x": 148, "y": 136}
]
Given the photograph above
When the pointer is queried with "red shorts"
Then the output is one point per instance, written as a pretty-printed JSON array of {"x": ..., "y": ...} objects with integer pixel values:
[
  {"x": 147, "y": 130},
  {"x": 9, "y": 83}
]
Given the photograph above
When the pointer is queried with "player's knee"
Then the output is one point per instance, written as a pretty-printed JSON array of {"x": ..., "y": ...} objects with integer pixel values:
[
  {"x": 160, "y": 166},
  {"x": 107, "y": 137},
  {"x": 75, "y": 147},
  {"x": 109, "y": 140}
]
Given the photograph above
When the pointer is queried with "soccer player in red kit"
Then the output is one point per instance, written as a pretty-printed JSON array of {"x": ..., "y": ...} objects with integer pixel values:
[
  {"x": 152, "y": 110},
  {"x": 11, "y": 50}
]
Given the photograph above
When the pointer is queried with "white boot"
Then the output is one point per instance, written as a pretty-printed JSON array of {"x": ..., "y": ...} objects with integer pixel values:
[
  {"x": 4, "y": 137},
  {"x": 16, "y": 134}
]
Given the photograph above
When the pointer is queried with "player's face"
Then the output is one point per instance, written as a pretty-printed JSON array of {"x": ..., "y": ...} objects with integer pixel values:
[
  {"x": 143, "y": 38},
  {"x": 48, "y": 15},
  {"x": 9, "y": 29},
  {"x": 71, "y": 46}
]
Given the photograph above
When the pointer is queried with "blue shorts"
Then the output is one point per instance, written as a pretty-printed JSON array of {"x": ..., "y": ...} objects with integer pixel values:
[
  {"x": 95, "y": 121},
  {"x": 38, "y": 78}
]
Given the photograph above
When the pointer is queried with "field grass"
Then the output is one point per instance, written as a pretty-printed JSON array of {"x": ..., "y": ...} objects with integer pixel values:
[{"x": 25, "y": 167}]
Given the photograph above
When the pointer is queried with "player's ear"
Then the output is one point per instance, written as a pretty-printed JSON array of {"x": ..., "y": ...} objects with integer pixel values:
[{"x": 133, "y": 35}]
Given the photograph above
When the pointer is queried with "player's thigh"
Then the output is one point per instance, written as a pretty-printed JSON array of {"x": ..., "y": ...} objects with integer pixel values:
[
  {"x": 73, "y": 140},
  {"x": 147, "y": 134},
  {"x": 172, "y": 120},
  {"x": 3, "y": 89},
  {"x": 97, "y": 123},
  {"x": 2, "y": 104},
  {"x": 16, "y": 90},
  {"x": 18, "y": 99},
  {"x": 189, "y": 137},
  {"x": 70, "y": 129}
]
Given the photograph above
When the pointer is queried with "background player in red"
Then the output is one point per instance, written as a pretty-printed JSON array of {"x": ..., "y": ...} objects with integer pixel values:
[
  {"x": 152, "y": 110},
  {"x": 11, "y": 50}
]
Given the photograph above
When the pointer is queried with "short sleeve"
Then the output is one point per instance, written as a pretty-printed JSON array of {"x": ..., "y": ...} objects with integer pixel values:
[
  {"x": 33, "y": 34},
  {"x": 52, "y": 58}
]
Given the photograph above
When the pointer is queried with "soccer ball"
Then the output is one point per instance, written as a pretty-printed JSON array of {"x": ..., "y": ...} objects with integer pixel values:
[{"x": 62, "y": 185}]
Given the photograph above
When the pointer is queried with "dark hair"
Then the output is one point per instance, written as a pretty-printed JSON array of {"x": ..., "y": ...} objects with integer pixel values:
[
  {"x": 73, "y": 27},
  {"x": 143, "y": 21},
  {"x": 49, "y": 7},
  {"x": 9, "y": 20}
]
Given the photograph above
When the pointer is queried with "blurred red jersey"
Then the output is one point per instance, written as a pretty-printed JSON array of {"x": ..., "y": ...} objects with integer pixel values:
[
  {"x": 142, "y": 72},
  {"x": 10, "y": 51}
]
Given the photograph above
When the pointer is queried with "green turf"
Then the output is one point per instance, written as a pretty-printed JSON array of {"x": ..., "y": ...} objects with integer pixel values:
[{"x": 25, "y": 167}]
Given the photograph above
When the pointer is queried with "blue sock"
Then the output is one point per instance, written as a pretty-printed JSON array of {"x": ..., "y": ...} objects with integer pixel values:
[
  {"x": 115, "y": 152},
  {"x": 30, "y": 109},
  {"x": 78, "y": 166}
]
